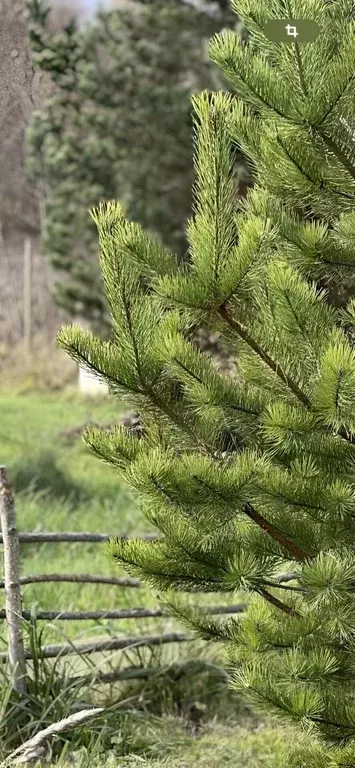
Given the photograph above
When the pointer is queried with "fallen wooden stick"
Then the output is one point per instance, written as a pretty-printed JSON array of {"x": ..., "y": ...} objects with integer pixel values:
[{"x": 30, "y": 748}]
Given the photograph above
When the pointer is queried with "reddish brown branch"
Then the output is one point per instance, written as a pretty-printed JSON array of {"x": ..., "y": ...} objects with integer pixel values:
[
  {"x": 276, "y": 602},
  {"x": 280, "y": 537}
]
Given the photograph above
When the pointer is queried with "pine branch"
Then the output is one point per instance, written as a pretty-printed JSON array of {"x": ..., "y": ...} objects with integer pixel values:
[
  {"x": 276, "y": 602},
  {"x": 165, "y": 408},
  {"x": 127, "y": 308},
  {"x": 277, "y": 535},
  {"x": 279, "y": 585},
  {"x": 300, "y": 69},
  {"x": 336, "y": 150},
  {"x": 192, "y": 554},
  {"x": 274, "y": 366}
]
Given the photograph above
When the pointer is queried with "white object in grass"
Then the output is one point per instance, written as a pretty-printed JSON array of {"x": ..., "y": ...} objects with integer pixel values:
[{"x": 89, "y": 384}]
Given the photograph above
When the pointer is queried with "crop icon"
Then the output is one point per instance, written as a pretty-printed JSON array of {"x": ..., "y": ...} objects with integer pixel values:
[{"x": 290, "y": 31}]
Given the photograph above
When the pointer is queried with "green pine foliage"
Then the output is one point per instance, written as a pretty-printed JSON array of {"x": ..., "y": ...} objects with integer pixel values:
[
  {"x": 272, "y": 516},
  {"x": 116, "y": 125}
]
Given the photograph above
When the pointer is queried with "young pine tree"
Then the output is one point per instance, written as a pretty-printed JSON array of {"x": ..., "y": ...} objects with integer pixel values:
[{"x": 270, "y": 510}]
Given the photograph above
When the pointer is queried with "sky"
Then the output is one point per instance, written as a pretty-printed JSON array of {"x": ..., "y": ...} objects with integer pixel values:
[{"x": 91, "y": 5}]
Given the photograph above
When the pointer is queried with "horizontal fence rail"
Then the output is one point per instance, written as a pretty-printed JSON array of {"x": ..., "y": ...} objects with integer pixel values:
[
  {"x": 42, "y": 537},
  {"x": 129, "y": 613},
  {"x": 14, "y": 615},
  {"x": 87, "y": 578},
  {"x": 117, "y": 644},
  {"x": 82, "y": 578},
  {"x": 177, "y": 670}
]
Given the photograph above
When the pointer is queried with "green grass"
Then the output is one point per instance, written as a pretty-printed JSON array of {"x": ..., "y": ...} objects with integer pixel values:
[
  {"x": 166, "y": 743},
  {"x": 223, "y": 746},
  {"x": 60, "y": 486}
]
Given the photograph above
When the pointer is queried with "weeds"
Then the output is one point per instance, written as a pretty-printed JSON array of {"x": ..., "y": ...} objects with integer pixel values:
[{"x": 132, "y": 708}]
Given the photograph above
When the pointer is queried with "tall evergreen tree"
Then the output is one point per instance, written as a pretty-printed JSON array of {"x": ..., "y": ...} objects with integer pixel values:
[
  {"x": 273, "y": 514},
  {"x": 117, "y": 125}
]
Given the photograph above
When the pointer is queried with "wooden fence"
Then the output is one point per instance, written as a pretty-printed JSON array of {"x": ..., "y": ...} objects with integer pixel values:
[
  {"x": 27, "y": 307},
  {"x": 14, "y": 615}
]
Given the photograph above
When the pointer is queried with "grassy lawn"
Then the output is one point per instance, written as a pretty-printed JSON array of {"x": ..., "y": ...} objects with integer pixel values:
[
  {"x": 169, "y": 745},
  {"x": 217, "y": 746},
  {"x": 60, "y": 486}
]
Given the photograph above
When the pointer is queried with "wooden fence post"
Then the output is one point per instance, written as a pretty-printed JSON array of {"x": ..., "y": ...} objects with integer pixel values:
[
  {"x": 27, "y": 296},
  {"x": 13, "y": 607}
]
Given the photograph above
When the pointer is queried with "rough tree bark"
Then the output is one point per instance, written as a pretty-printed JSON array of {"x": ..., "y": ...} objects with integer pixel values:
[{"x": 20, "y": 88}]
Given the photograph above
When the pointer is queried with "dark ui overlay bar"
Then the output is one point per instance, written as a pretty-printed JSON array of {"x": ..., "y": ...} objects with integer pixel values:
[{"x": 291, "y": 31}]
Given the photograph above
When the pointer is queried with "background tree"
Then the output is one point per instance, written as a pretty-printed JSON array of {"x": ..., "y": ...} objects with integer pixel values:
[
  {"x": 118, "y": 126},
  {"x": 19, "y": 93},
  {"x": 273, "y": 515},
  {"x": 23, "y": 88}
]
